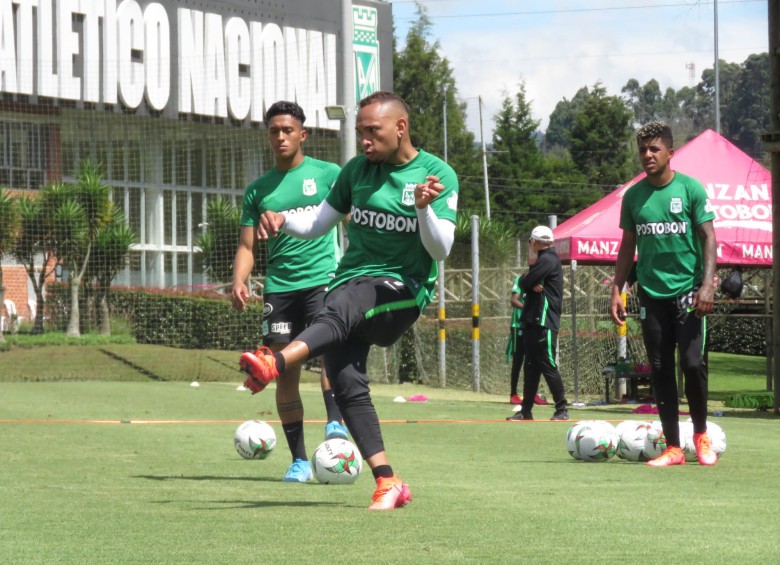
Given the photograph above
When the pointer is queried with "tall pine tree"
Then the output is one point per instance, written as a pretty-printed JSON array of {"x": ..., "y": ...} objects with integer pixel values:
[{"x": 423, "y": 78}]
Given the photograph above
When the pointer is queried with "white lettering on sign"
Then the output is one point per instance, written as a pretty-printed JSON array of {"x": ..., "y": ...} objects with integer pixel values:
[
  {"x": 122, "y": 52},
  {"x": 718, "y": 191},
  {"x": 756, "y": 251},
  {"x": 609, "y": 248}
]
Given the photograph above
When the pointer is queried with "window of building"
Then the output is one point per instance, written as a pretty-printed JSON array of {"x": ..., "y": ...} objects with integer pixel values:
[{"x": 23, "y": 154}]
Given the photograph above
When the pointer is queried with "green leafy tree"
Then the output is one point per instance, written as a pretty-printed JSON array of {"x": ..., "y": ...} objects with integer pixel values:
[
  {"x": 220, "y": 241},
  {"x": 36, "y": 243},
  {"x": 566, "y": 187},
  {"x": 423, "y": 78},
  {"x": 110, "y": 250},
  {"x": 516, "y": 165},
  {"x": 746, "y": 114},
  {"x": 10, "y": 223},
  {"x": 79, "y": 210},
  {"x": 497, "y": 240},
  {"x": 558, "y": 134},
  {"x": 600, "y": 139}
]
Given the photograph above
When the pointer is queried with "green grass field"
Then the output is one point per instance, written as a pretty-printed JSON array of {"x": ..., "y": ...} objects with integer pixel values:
[{"x": 77, "y": 486}]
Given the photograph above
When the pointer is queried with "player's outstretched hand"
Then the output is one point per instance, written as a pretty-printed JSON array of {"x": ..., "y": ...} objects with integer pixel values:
[
  {"x": 426, "y": 192},
  {"x": 270, "y": 224}
]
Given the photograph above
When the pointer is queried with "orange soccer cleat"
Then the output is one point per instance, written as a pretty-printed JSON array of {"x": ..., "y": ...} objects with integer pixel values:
[
  {"x": 390, "y": 494},
  {"x": 261, "y": 368},
  {"x": 672, "y": 455}
]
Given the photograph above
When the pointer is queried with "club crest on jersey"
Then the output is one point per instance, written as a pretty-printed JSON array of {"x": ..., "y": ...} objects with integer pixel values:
[
  {"x": 407, "y": 197},
  {"x": 676, "y": 206},
  {"x": 309, "y": 187}
]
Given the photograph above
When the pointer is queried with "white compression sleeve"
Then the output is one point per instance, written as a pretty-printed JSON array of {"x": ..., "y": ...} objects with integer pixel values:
[
  {"x": 437, "y": 235},
  {"x": 309, "y": 224}
]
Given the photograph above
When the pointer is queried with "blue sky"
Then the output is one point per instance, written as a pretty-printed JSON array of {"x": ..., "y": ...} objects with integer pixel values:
[{"x": 558, "y": 46}]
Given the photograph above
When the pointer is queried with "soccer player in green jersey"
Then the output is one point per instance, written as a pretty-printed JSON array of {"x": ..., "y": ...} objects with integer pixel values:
[
  {"x": 667, "y": 219},
  {"x": 402, "y": 204},
  {"x": 515, "y": 352},
  {"x": 298, "y": 270}
]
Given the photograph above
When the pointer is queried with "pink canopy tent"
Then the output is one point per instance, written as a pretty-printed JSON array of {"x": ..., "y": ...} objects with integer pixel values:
[{"x": 739, "y": 191}]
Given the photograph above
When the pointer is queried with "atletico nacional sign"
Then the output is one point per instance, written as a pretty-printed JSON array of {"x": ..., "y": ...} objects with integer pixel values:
[{"x": 214, "y": 59}]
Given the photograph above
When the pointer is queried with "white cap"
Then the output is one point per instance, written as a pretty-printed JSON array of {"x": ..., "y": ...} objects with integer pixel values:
[{"x": 543, "y": 234}]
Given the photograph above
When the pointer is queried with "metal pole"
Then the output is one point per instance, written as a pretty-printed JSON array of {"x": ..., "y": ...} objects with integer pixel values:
[
  {"x": 552, "y": 221},
  {"x": 717, "y": 73},
  {"x": 444, "y": 123},
  {"x": 773, "y": 137},
  {"x": 347, "y": 83},
  {"x": 768, "y": 330},
  {"x": 475, "y": 303},
  {"x": 574, "y": 330},
  {"x": 484, "y": 163},
  {"x": 440, "y": 282},
  {"x": 442, "y": 329}
]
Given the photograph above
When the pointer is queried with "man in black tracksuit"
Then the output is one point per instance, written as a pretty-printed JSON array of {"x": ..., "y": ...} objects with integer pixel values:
[{"x": 543, "y": 285}]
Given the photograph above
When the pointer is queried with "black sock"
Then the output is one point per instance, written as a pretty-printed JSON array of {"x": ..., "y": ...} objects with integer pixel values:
[
  {"x": 331, "y": 408},
  {"x": 384, "y": 471},
  {"x": 294, "y": 434},
  {"x": 279, "y": 362}
]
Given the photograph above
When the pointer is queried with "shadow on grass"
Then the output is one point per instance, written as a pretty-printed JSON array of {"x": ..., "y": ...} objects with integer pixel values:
[
  {"x": 625, "y": 414},
  {"x": 202, "y": 478},
  {"x": 239, "y": 504},
  {"x": 132, "y": 365}
]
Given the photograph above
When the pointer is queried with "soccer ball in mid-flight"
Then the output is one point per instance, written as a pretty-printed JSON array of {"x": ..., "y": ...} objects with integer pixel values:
[
  {"x": 631, "y": 446},
  {"x": 596, "y": 443},
  {"x": 336, "y": 462},
  {"x": 254, "y": 439}
]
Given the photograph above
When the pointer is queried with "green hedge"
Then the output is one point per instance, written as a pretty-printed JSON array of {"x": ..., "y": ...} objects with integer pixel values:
[
  {"x": 172, "y": 318},
  {"x": 208, "y": 321},
  {"x": 739, "y": 335}
]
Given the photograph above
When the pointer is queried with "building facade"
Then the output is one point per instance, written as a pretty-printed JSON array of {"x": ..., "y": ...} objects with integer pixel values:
[{"x": 169, "y": 97}]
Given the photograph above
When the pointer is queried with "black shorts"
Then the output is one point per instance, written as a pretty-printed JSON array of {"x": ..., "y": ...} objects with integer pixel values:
[{"x": 286, "y": 314}]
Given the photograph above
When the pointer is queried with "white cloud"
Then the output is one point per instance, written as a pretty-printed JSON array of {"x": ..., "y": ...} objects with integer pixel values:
[{"x": 556, "y": 54}]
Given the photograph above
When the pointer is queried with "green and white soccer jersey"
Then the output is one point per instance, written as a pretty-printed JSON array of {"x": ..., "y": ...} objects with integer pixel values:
[
  {"x": 383, "y": 234},
  {"x": 294, "y": 264},
  {"x": 664, "y": 219},
  {"x": 517, "y": 313}
]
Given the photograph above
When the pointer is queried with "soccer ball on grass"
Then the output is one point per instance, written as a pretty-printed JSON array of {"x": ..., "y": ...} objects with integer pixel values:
[
  {"x": 597, "y": 442},
  {"x": 631, "y": 445},
  {"x": 655, "y": 441}
]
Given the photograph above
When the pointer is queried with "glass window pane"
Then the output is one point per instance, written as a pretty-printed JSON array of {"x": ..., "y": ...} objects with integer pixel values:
[
  {"x": 227, "y": 168},
  {"x": 181, "y": 218},
  {"x": 134, "y": 213},
  {"x": 212, "y": 166},
  {"x": 167, "y": 162},
  {"x": 196, "y": 166},
  {"x": 167, "y": 216},
  {"x": 182, "y": 164},
  {"x": 133, "y": 161},
  {"x": 118, "y": 161}
]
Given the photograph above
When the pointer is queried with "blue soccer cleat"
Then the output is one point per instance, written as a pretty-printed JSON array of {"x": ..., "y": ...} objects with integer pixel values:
[
  {"x": 334, "y": 430},
  {"x": 299, "y": 471}
]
